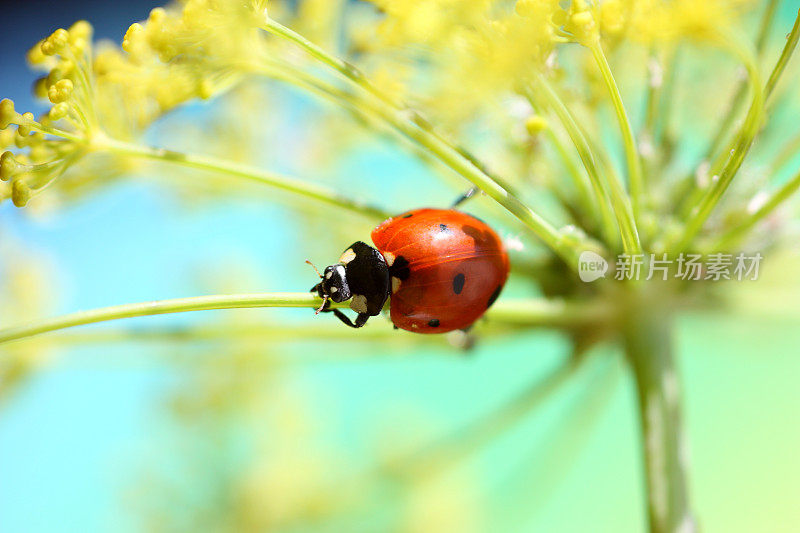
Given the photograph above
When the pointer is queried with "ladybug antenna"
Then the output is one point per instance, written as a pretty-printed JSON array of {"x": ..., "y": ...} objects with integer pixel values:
[
  {"x": 315, "y": 269},
  {"x": 324, "y": 302}
]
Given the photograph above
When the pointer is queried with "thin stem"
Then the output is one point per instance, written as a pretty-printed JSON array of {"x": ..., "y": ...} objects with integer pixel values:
[
  {"x": 514, "y": 313},
  {"x": 629, "y": 142},
  {"x": 352, "y": 73},
  {"x": 617, "y": 197},
  {"x": 742, "y": 143},
  {"x": 578, "y": 179},
  {"x": 783, "y": 60},
  {"x": 744, "y": 140},
  {"x": 662, "y": 125},
  {"x": 727, "y": 123},
  {"x": 690, "y": 194},
  {"x": 161, "y": 307},
  {"x": 286, "y": 183},
  {"x": 648, "y": 346},
  {"x": 774, "y": 200}
]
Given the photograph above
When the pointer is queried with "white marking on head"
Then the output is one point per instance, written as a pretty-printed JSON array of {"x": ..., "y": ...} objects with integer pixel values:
[
  {"x": 347, "y": 256},
  {"x": 329, "y": 274},
  {"x": 389, "y": 256},
  {"x": 334, "y": 289},
  {"x": 395, "y": 284},
  {"x": 359, "y": 303}
]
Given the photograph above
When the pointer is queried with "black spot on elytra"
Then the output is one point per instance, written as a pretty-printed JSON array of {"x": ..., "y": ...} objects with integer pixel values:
[
  {"x": 409, "y": 215},
  {"x": 494, "y": 296},
  {"x": 458, "y": 283},
  {"x": 443, "y": 227},
  {"x": 434, "y": 323},
  {"x": 399, "y": 268}
]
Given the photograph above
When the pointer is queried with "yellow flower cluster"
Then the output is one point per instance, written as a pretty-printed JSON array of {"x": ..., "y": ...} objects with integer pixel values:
[
  {"x": 651, "y": 21},
  {"x": 475, "y": 48},
  {"x": 186, "y": 51},
  {"x": 483, "y": 48}
]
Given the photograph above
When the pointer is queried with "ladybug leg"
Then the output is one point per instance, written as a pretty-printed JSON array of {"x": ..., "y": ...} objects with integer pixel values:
[
  {"x": 361, "y": 319},
  {"x": 466, "y": 196}
]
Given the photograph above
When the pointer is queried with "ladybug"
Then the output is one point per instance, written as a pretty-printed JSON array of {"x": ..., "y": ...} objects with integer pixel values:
[{"x": 443, "y": 269}]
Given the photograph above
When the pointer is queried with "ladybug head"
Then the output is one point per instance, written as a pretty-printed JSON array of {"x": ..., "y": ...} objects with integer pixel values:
[{"x": 334, "y": 284}]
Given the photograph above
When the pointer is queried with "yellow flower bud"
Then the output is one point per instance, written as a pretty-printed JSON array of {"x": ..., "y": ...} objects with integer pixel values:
[
  {"x": 7, "y": 113},
  {"x": 535, "y": 124},
  {"x": 24, "y": 128},
  {"x": 59, "y": 111},
  {"x": 20, "y": 193},
  {"x": 60, "y": 91},
  {"x": 132, "y": 37},
  {"x": 205, "y": 89},
  {"x": 581, "y": 24},
  {"x": 81, "y": 30},
  {"x": 8, "y": 166},
  {"x": 55, "y": 43},
  {"x": 157, "y": 15},
  {"x": 79, "y": 45}
]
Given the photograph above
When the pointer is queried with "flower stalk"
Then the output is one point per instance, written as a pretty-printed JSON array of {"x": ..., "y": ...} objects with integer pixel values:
[
  {"x": 291, "y": 184},
  {"x": 649, "y": 349},
  {"x": 607, "y": 191},
  {"x": 520, "y": 313},
  {"x": 629, "y": 142}
]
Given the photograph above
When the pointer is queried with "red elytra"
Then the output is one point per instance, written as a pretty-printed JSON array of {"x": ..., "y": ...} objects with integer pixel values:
[{"x": 447, "y": 268}]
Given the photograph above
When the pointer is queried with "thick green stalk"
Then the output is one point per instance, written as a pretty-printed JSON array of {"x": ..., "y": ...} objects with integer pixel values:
[
  {"x": 648, "y": 346},
  {"x": 272, "y": 179},
  {"x": 629, "y": 142}
]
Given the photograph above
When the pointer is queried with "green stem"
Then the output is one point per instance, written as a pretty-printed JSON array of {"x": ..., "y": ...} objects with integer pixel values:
[
  {"x": 527, "y": 313},
  {"x": 161, "y": 307},
  {"x": 775, "y": 199},
  {"x": 783, "y": 60},
  {"x": 648, "y": 346},
  {"x": 629, "y": 142},
  {"x": 272, "y": 179},
  {"x": 727, "y": 123},
  {"x": 578, "y": 179},
  {"x": 617, "y": 197},
  {"x": 699, "y": 211},
  {"x": 352, "y": 73},
  {"x": 744, "y": 140}
]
